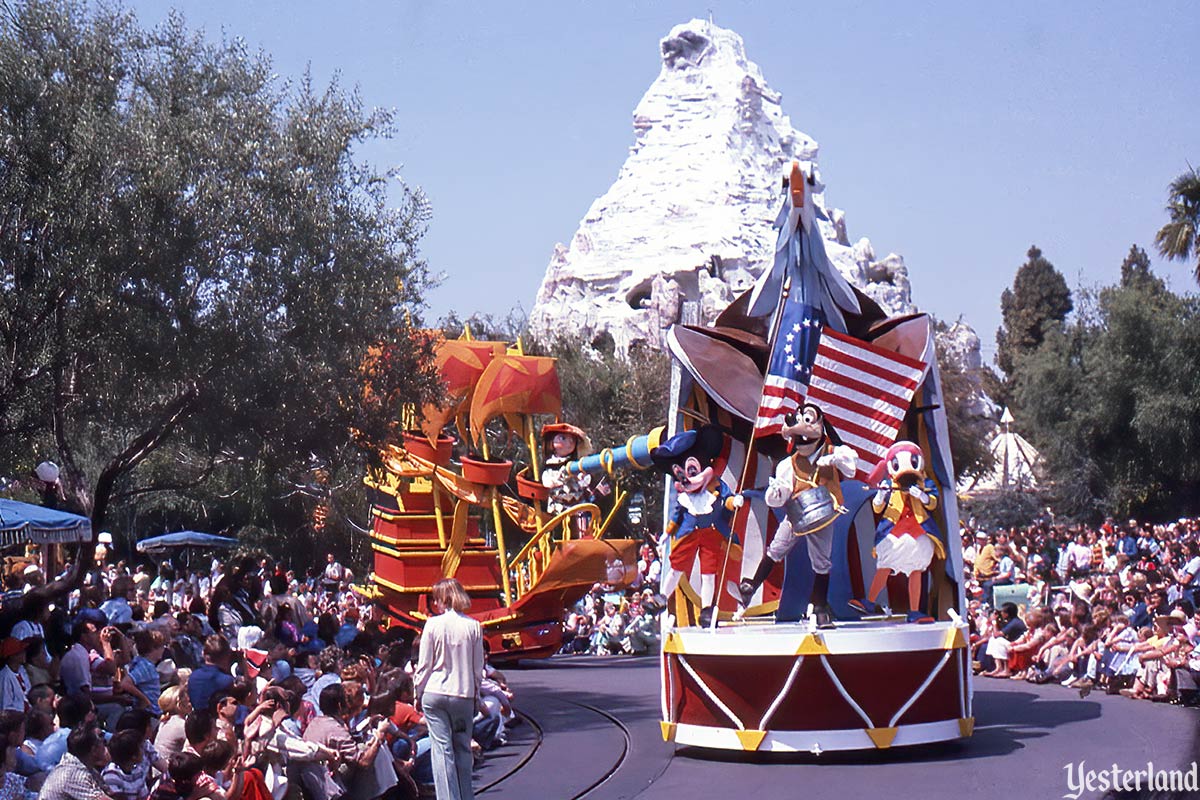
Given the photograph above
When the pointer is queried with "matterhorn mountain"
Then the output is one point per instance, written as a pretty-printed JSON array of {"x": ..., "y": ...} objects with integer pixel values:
[{"x": 689, "y": 218}]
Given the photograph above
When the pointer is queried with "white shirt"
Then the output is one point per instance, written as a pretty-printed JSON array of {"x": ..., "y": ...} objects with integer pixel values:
[
  {"x": 1079, "y": 555},
  {"x": 451, "y": 658},
  {"x": 1191, "y": 568}
]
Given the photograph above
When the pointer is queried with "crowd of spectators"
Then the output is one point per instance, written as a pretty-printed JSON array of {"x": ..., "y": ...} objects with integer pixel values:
[
  {"x": 227, "y": 682},
  {"x": 1112, "y": 607},
  {"x": 611, "y": 621}
]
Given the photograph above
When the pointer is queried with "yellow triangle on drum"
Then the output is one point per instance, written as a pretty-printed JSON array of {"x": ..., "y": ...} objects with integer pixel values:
[
  {"x": 954, "y": 639},
  {"x": 673, "y": 644},
  {"x": 812, "y": 646},
  {"x": 751, "y": 739},
  {"x": 882, "y": 737},
  {"x": 966, "y": 726},
  {"x": 668, "y": 731}
]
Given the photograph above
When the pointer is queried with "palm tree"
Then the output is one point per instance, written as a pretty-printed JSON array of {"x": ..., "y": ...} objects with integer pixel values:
[{"x": 1179, "y": 239}]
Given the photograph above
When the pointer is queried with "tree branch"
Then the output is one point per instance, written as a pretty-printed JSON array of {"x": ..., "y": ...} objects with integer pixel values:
[{"x": 164, "y": 487}]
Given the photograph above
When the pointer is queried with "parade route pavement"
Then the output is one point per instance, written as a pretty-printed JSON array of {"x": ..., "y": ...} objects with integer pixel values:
[{"x": 590, "y": 729}]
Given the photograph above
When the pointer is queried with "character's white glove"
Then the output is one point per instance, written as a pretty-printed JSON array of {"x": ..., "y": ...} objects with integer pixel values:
[
  {"x": 919, "y": 493},
  {"x": 737, "y": 501},
  {"x": 778, "y": 492},
  {"x": 881, "y": 496},
  {"x": 825, "y": 460}
]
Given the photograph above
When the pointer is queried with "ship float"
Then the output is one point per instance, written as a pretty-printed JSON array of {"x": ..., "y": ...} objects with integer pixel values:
[{"x": 445, "y": 504}]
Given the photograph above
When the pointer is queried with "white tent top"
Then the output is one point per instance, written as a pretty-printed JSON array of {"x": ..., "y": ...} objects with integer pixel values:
[{"x": 1016, "y": 460}]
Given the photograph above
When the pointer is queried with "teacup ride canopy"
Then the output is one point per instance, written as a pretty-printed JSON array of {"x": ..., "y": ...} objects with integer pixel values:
[
  {"x": 770, "y": 679},
  {"x": 427, "y": 507}
]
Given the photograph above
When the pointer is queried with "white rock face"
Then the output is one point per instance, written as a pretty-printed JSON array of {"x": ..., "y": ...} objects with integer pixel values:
[
  {"x": 961, "y": 346},
  {"x": 690, "y": 215}
]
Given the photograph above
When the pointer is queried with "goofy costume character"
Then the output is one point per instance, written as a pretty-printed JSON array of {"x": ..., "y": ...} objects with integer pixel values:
[
  {"x": 701, "y": 522},
  {"x": 907, "y": 537},
  {"x": 818, "y": 458}
]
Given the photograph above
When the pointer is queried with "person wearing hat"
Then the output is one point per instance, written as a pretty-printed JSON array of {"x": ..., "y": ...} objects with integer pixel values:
[
  {"x": 563, "y": 443},
  {"x": 32, "y": 576},
  {"x": 701, "y": 521},
  {"x": 14, "y": 686}
]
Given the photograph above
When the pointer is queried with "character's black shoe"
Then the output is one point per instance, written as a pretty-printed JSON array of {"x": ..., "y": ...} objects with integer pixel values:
[
  {"x": 824, "y": 616},
  {"x": 706, "y": 616}
]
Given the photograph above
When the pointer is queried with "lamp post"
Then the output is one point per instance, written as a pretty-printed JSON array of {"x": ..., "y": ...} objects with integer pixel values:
[{"x": 635, "y": 513}]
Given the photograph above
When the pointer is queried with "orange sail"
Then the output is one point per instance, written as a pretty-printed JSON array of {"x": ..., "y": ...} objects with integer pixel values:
[
  {"x": 460, "y": 363},
  {"x": 515, "y": 385}
]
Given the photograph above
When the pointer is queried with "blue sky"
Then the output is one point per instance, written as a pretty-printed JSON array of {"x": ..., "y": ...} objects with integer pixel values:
[{"x": 955, "y": 134}]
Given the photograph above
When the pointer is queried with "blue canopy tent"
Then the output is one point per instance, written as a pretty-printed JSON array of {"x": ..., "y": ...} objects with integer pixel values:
[
  {"x": 24, "y": 523},
  {"x": 184, "y": 539}
]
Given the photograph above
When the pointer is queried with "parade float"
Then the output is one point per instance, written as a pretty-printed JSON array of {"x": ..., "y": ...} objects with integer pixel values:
[
  {"x": 447, "y": 504},
  {"x": 818, "y": 646}
]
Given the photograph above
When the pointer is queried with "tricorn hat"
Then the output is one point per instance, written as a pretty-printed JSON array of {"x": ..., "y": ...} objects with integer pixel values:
[{"x": 704, "y": 443}]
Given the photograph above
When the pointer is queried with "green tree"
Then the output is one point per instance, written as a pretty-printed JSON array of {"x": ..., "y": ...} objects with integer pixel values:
[
  {"x": 967, "y": 409},
  {"x": 1179, "y": 239},
  {"x": 1039, "y": 300},
  {"x": 614, "y": 398},
  {"x": 1135, "y": 269},
  {"x": 1113, "y": 403},
  {"x": 196, "y": 269}
]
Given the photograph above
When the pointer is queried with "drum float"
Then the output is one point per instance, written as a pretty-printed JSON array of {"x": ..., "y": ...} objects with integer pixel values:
[{"x": 788, "y": 688}]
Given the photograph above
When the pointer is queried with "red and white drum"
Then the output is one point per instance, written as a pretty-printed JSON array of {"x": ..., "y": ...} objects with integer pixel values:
[{"x": 788, "y": 688}]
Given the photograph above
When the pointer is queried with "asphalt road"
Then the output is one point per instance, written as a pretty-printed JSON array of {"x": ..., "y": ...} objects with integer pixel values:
[{"x": 591, "y": 730}]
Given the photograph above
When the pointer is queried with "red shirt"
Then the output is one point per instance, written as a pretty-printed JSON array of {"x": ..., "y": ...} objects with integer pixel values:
[{"x": 405, "y": 716}]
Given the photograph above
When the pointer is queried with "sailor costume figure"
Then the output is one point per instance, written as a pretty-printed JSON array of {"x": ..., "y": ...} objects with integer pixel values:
[{"x": 563, "y": 444}]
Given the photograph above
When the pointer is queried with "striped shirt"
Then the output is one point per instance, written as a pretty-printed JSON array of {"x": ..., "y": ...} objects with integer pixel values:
[{"x": 71, "y": 780}]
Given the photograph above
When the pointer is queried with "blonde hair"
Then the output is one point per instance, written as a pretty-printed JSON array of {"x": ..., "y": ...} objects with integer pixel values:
[
  {"x": 173, "y": 702},
  {"x": 451, "y": 594}
]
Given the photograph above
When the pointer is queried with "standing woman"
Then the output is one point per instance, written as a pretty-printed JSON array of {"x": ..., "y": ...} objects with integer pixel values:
[{"x": 448, "y": 675}]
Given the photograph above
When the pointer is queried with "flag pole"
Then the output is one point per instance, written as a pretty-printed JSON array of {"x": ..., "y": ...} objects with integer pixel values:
[{"x": 750, "y": 454}]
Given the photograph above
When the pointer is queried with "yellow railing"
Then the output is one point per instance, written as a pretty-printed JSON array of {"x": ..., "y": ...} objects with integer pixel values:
[{"x": 530, "y": 563}]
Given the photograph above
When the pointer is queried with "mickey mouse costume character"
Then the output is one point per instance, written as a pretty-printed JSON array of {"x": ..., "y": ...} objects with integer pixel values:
[
  {"x": 907, "y": 536},
  {"x": 701, "y": 521},
  {"x": 818, "y": 458}
]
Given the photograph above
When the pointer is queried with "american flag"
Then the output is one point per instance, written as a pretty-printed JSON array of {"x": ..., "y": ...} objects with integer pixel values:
[{"x": 864, "y": 390}]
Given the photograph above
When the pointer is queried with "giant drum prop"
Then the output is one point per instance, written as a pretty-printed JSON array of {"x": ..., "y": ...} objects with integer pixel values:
[{"x": 786, "y": 688}]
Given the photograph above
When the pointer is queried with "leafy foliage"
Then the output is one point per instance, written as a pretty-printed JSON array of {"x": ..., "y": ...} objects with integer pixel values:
[
  {"x": 1179, "y": 239},
  {"x": 963, "y": 394},
  {"x": 1113, "y": 403},
  {"x": 614, "y": 398},
  {"x": 191, "y": 255},
  {"x": 1038, "y": 302}
]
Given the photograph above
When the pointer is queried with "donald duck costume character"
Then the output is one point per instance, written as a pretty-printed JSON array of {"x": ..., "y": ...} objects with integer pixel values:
[
  {"x": 907, "y": 536},
  {"x": 701, "y": 522}
]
